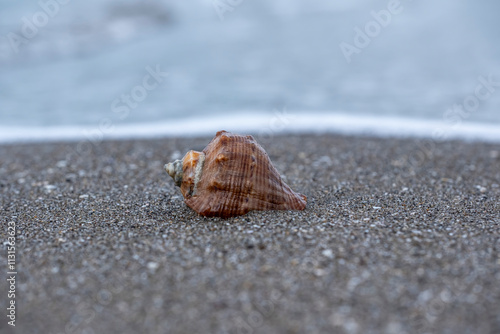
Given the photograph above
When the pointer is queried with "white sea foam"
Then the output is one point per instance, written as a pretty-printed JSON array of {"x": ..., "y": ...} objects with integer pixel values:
[{"x": 262, "y": 124}]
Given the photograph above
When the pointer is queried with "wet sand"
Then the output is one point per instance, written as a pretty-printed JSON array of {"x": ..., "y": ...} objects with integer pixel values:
[{"x": 399, "y": 236}]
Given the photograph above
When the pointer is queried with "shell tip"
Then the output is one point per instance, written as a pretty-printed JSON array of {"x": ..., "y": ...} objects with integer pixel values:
[{"x": 174, "y": 169}]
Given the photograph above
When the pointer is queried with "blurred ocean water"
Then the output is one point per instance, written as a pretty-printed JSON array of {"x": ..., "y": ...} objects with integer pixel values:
[{"x": 119, "y": 66}]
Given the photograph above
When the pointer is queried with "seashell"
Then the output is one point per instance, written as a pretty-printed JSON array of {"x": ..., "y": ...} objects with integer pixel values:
[{"x": 232, "y": 176}]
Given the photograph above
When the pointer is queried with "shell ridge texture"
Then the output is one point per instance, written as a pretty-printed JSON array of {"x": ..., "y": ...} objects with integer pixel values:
[{"x": 236, "y": 176}]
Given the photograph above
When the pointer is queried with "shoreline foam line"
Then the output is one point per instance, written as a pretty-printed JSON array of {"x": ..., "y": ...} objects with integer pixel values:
[{"x": 262, "y": 124}]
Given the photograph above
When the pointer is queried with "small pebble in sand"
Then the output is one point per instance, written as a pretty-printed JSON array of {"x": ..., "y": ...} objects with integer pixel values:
[
  {"x": 327, "y": 253},
  {"x": 61, "y": 163}
]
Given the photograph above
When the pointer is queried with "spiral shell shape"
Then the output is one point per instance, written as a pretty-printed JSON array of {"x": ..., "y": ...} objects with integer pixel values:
[{"x": 232, "y": 176}]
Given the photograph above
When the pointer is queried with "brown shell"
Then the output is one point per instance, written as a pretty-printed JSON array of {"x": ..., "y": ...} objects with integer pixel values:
[{"x": 236, "y": 176}]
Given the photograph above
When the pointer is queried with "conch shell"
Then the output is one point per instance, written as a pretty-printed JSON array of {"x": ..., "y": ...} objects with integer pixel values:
[{"x": 232, "y": 176}]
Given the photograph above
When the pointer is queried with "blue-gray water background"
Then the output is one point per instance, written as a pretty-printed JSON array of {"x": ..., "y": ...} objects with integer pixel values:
[{"x": 237, "y": 57}]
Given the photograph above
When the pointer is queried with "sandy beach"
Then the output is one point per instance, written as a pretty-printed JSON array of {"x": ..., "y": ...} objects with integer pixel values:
[{"x": 399, "y": 236}]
